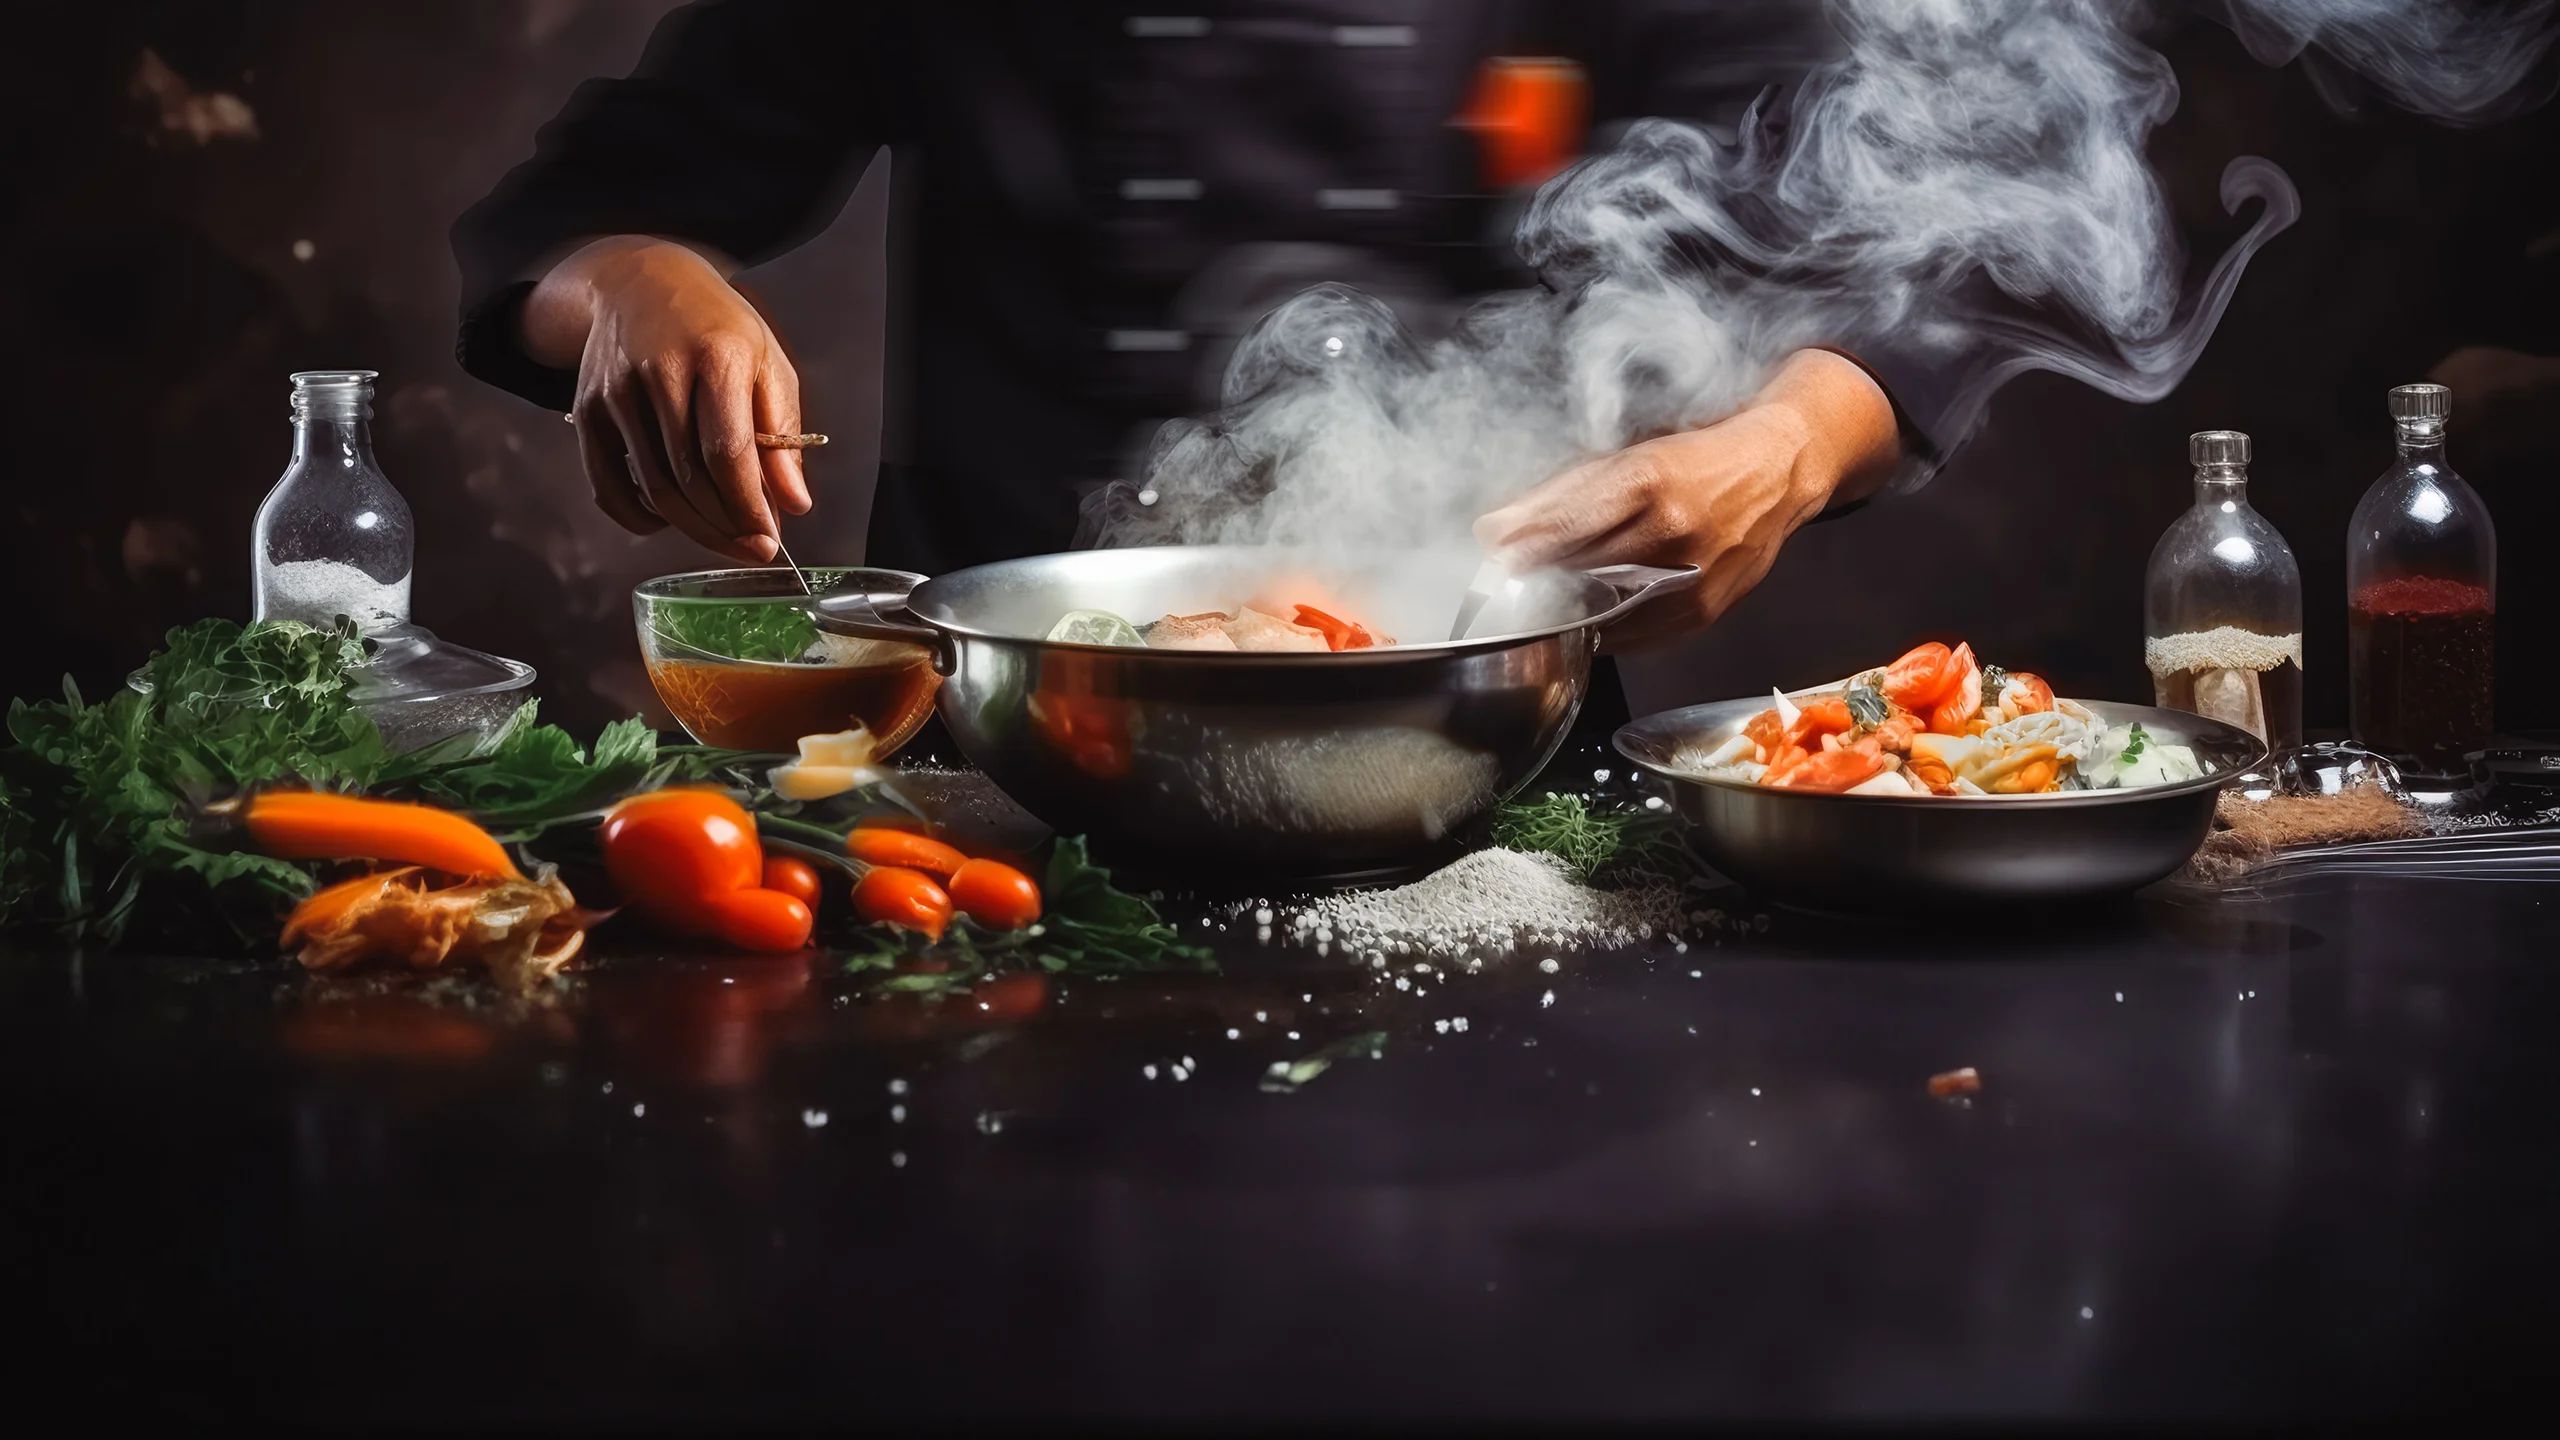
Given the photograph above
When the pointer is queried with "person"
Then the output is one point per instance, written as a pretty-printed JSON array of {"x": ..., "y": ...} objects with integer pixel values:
[{"x": 1101, "y": 201}]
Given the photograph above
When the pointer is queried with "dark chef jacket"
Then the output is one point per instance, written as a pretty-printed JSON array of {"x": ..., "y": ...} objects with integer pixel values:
[{"x": 1099, "y": 201}]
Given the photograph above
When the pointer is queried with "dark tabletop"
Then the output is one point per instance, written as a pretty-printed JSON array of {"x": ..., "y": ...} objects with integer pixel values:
[{"x": 2231, "y": 1156}]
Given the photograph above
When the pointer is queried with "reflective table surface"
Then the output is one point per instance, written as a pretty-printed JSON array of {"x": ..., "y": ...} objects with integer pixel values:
[{"x": 2231, "y": 1157}]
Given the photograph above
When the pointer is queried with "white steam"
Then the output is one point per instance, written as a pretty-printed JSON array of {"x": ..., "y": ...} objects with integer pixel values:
[{"x": 1958, "y": 194}]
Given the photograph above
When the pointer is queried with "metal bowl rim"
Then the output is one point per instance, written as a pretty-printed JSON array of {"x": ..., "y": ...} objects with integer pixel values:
[
  {"x": 1281, "y": 659},
  {"x": 1654, "y": 724}
]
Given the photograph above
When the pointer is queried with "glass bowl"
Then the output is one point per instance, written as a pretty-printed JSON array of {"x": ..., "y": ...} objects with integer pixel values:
[{"x": 739, "y": 662}]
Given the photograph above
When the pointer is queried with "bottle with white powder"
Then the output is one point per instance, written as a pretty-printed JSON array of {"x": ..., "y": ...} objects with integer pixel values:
[
  {"x": 333, "y": 537},
  {"x": 2222, "y": 604}
]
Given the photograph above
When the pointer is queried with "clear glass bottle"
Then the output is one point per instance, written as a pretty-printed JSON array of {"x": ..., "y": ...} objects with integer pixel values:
[
  {"x": 333, "y": 538},
  {"x": 2222, "y": 604},
  {"x": 2422, "y": 589}
]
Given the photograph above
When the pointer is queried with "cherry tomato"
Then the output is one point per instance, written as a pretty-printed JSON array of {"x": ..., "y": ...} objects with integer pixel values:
[
  {"x": 995, "y": 895},
  {"x": 758, "y": 919},
  {"x": 669, "y": 849},
  {"x": 891, "y": 895},
  {"x": 904, "y": 850},
  {"x": 795, "y": 877}
]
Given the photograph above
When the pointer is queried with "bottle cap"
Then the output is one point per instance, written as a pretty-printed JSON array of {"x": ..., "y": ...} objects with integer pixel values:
[
  {"x": 2420, "y": 402},
  {"x": 2218, "y": 447}
]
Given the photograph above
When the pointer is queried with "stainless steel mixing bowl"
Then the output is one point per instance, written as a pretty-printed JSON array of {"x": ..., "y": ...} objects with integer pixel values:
[
  {"x": 1293, "y": 765},
  {"x": 1864, "y": 853}
]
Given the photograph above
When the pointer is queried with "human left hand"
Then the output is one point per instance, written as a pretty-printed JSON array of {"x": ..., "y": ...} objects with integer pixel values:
[{"x": 1723, "y": 498}]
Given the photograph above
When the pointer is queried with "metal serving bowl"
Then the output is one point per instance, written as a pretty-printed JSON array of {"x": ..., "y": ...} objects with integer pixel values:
[
  {"x": 1870, "y": 852},
  {"x": 1298, "y": 765}
]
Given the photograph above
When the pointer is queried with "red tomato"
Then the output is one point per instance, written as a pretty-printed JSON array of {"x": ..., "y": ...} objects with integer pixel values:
[
  {"x": 995, "y": 895},
  {"x": 668, "y": 850},
  {"x": 758, "y": 919},
  {"x": 1921, "y": 678},
  {"x": 889, "y": 895},
  {"x": 904, "y": 850},
  {"x": 794, "y": 877},
  {"x": 1956, "y": 708}
]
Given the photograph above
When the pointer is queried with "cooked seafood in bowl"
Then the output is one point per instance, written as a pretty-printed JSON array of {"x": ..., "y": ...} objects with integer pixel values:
[
  {"x": 2039, "y": 806},
  {"x": 1937, "y": 722}
]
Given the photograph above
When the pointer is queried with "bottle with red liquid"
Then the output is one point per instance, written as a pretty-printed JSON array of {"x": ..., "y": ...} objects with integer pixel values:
[{"x": 2422, "y": 586}]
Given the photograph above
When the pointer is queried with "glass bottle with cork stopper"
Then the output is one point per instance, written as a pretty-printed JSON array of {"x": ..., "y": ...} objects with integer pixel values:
[
  {"x": 2222, "y": 604},
  {"x": 2422, "y": 577}
]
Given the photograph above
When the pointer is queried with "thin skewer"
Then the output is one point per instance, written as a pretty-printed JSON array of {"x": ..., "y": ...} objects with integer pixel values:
[{"x": 803, "y": 440}]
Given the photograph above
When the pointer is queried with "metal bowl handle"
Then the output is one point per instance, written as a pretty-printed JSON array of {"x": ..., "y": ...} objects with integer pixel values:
[
  {"x": 860, "y": 615},
  {"x": 1639, "y": 585}
]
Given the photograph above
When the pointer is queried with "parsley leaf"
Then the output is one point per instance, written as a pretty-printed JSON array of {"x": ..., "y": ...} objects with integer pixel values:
[{"x": 737, "y": 629}]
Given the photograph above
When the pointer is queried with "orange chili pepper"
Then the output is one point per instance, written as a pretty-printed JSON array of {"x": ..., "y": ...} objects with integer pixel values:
[
  {"x": 903, "y": 849},
  {"x": 311, "y": 825}
]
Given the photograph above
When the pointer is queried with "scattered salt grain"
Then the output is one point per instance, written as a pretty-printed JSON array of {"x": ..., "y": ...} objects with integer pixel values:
[{"x": 1548, "y": 966}]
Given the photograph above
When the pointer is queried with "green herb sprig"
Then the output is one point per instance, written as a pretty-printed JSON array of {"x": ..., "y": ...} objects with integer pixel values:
[{"x": 737, "y": 629}]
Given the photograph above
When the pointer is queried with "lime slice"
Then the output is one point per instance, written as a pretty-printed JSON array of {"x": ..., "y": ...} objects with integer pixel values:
[{"x": 1095, "y": 627}]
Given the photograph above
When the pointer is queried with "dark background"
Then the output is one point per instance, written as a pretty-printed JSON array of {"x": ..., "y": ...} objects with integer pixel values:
[{"x": 169, "y": 266}]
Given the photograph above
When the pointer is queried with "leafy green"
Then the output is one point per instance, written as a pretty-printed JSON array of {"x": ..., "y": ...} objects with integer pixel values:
[
  {"x": 99, "y": 803},
  {"x": 1286, "y": 1076},
  {"x": 1089, "y": 928},
  {"x": 1596, "y": 843},
  {"x": 738, "y": 629},
  {"x": 2134, "y": 740},
  {"x": 100, "y": 797}
]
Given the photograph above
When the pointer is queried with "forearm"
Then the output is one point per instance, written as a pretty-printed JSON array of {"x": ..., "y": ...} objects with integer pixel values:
[{"x": 1851, "y": 442}]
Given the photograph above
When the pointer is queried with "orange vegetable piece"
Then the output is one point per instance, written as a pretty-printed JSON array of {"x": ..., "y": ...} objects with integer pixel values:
[
  {"x": 1338, "y": 634},
  {"x": 904, "y": 849},
  {"x": 794, "y": 877},
  {"x": 890, "y": 895},
  {"x": 1921, "y": 678},
  {"x": 1956, "y": 708},
  {"x": 311, "y": 825},
  {"x": 995, "y": 895}
]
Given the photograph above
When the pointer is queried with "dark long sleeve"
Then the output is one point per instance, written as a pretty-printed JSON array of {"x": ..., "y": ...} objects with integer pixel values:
[{"x": 744, "y": 129}]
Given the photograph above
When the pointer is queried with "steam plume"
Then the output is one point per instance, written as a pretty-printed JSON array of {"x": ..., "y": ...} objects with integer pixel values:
[{"x": 1960, "y": 187}]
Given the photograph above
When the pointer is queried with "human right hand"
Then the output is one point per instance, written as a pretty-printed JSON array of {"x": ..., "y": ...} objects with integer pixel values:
[{"x": 676, "y": 374}]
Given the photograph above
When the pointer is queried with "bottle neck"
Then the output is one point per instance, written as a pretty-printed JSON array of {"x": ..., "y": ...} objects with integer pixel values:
[
  {"x": 346, "y": 441},
  {"x": 2222, "y": 484},
  {"x": 2422, "y": 442}
]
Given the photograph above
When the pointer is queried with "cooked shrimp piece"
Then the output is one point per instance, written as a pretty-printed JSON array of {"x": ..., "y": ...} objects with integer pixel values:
[
  {"x": 2024, "y": 694},
  {"x": 1822, "y": 715},
  {"x": 1832, "y": 770},
  {"x": 1766, "y": 733}
]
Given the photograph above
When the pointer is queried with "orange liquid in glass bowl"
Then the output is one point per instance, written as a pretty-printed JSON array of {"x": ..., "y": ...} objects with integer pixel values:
[{"x": 756, "y": 705}]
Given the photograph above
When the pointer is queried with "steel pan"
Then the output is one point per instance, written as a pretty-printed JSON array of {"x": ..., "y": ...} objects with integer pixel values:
[{"x": 1293, "y": 765}]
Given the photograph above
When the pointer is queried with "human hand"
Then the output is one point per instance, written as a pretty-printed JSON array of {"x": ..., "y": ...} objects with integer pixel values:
[
  {"x": 676, "y": 374},
  {"x": 1723, "y": 498}
]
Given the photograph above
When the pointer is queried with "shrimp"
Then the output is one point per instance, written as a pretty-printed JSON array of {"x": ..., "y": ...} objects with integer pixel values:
[
  {"x": 1832, "y": 770},
  {"x": 2025, "y": 694},
  {"x": 1765, "y": 731},
  {"x": 1824, "y": 715}
]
